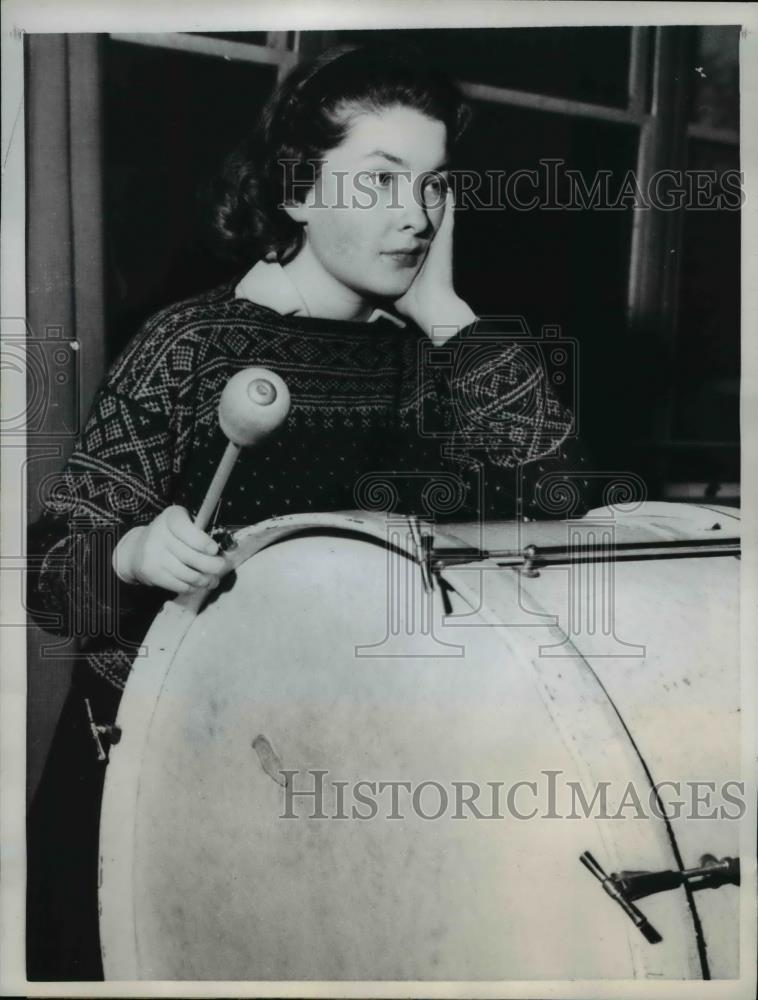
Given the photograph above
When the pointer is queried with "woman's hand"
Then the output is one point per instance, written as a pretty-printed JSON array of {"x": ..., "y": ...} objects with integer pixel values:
[
  {"x": 170, "y": 552},
  {"x": 431, "y": 299}
]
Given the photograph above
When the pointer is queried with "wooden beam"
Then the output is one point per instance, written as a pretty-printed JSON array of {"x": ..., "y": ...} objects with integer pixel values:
[
  {"x": 204, "y": 45},
  {"x": 88, "y": 243},
  {"x": 277, "y": 39},
  {"x": 639, "y": 58},
  {"x": 652, "y": 273},
  {"x": 544, "y": 102},
  {"x": 656, "y": 244},
  {"x": 707, "y": 133}
]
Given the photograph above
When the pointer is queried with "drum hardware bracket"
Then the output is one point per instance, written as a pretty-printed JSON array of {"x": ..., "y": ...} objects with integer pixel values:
[
  {"x": 636, "y": 916},
  {"x": 423, "y": 554},
  {"x": 709, "y": 874},
  {"x": 627, "y": 886},
  {"x": 111, "y": 733},
  {"x": 531, "y": 555},
  {"x": 226, "y": 540}
]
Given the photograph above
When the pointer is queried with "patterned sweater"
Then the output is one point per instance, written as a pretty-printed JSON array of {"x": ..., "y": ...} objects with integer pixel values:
[{"x": 380, "y": 419}]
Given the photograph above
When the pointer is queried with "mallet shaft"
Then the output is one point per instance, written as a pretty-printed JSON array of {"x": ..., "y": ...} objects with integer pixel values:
[{"x": 218, "y": 483}]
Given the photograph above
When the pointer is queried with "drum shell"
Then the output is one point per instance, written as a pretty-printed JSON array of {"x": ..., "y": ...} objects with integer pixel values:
[{"x": 441, "y": 701}]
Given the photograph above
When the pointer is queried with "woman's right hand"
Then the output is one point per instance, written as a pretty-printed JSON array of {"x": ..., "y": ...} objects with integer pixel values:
[{"x": 170, "y": 552}]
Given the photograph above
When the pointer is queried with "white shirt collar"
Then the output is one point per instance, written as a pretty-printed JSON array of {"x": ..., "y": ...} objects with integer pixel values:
[{"x": 268, "y": 284}]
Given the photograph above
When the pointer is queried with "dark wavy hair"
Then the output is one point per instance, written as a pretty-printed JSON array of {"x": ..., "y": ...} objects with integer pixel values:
[{"x": 309, "y": 113}]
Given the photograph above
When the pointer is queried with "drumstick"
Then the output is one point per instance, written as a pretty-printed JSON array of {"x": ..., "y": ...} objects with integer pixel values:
[{"x": 253, "y": 404}]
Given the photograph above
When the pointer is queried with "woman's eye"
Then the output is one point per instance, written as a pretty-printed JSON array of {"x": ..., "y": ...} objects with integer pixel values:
[
  {"x": 435, "y": 187},
  {"x": 381, "y": 178}
]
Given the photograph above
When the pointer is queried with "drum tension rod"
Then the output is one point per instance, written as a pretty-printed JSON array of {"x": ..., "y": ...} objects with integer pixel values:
[
  {"x": 529, "y": 559},
  {"x": 626, "y": 886},
  {"x": 709, "y": 874}
]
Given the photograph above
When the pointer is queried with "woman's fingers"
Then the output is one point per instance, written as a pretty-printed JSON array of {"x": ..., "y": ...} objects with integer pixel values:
[
  {"x": 440, "y": 257},
  {"x": 169, "y": 582},
  {"x": 160, "y": 575},
  {"x": 446, "y": 226},
  {"x": 449, "y": 217},
  {"x": 185, "y": 573},
  {"x": 193, "y": 550},
  {"x": 210, "y": 565},
  {"x": 180, "y": 525},
  {"x": 162, "y": 558}
]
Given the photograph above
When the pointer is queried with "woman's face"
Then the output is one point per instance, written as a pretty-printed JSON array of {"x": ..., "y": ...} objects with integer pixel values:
[{"x": 381, "y": 192}]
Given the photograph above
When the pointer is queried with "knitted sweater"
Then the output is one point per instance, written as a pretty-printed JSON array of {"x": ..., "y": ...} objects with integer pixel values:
[{"x": 380, "y": 419}]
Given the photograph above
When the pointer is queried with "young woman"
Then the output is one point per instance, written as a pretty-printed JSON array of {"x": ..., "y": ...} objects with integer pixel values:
[{"x": 340, "y": 210}]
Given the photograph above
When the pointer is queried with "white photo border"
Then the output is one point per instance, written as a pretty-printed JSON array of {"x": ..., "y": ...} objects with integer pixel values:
[{"x": 27, "y": 16}]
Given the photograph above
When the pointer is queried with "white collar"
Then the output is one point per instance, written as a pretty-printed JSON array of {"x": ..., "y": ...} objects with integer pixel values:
[{"x": 268, "y": 284}]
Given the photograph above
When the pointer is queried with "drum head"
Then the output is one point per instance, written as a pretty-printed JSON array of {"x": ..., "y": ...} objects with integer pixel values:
[{"x": 289, "y": 797}]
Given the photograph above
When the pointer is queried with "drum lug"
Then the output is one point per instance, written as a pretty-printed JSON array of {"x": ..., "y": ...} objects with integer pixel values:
[
  {"x": 422, "y": 552},
  {"x": 531, "y": 555},
  {"x": 709, "y": 874},
  {"x": 226, "y": 540},
  {"x": 638, "y": 918},
  {"x": 626, "y": 886},
  {"x": 111, "y": 733}
]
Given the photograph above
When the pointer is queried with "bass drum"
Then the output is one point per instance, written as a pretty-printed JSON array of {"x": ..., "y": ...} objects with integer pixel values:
[{"x": 344, "y": 766}]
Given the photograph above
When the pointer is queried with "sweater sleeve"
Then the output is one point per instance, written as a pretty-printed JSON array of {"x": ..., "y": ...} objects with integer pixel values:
[
  {"x": 119, "y": 476},
  {"x": 487, "y": 394}
]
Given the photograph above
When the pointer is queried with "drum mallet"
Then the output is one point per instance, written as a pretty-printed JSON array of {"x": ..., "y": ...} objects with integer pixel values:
[{"x": 253, "y": 404}]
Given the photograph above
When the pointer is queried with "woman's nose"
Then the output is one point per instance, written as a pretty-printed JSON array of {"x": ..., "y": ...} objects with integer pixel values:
[{"x": 413, "y": 211}]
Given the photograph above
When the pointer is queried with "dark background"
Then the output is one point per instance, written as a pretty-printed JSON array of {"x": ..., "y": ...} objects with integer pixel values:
[{"x": 657, "y": 396}]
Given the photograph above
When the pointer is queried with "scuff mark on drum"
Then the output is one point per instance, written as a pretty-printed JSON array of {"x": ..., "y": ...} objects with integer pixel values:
[{"x": 269, "y": 760}]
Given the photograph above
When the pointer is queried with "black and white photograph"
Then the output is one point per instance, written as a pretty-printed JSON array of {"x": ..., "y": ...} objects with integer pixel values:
[{"x": 378, "y": 512}]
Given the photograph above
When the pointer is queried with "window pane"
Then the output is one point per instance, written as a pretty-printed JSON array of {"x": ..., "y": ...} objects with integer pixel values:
[
  {"x": 586, "y": 64},
  {"x": 170, "y": 117},
  {"x": 561, "y": 265},
  {"x": 708, "y": 328},
  {"x": 716, "y": 83}
]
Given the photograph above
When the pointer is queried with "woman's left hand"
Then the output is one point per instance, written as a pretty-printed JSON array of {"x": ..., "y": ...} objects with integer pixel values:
[{"x": 431, "y": 300}]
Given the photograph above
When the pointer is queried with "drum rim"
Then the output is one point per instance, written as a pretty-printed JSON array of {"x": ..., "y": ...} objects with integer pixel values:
[{"x": 166, "y": 635}]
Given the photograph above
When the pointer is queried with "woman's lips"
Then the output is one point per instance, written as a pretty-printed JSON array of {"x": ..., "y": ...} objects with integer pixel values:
[{"x": 405, "y": 259}]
